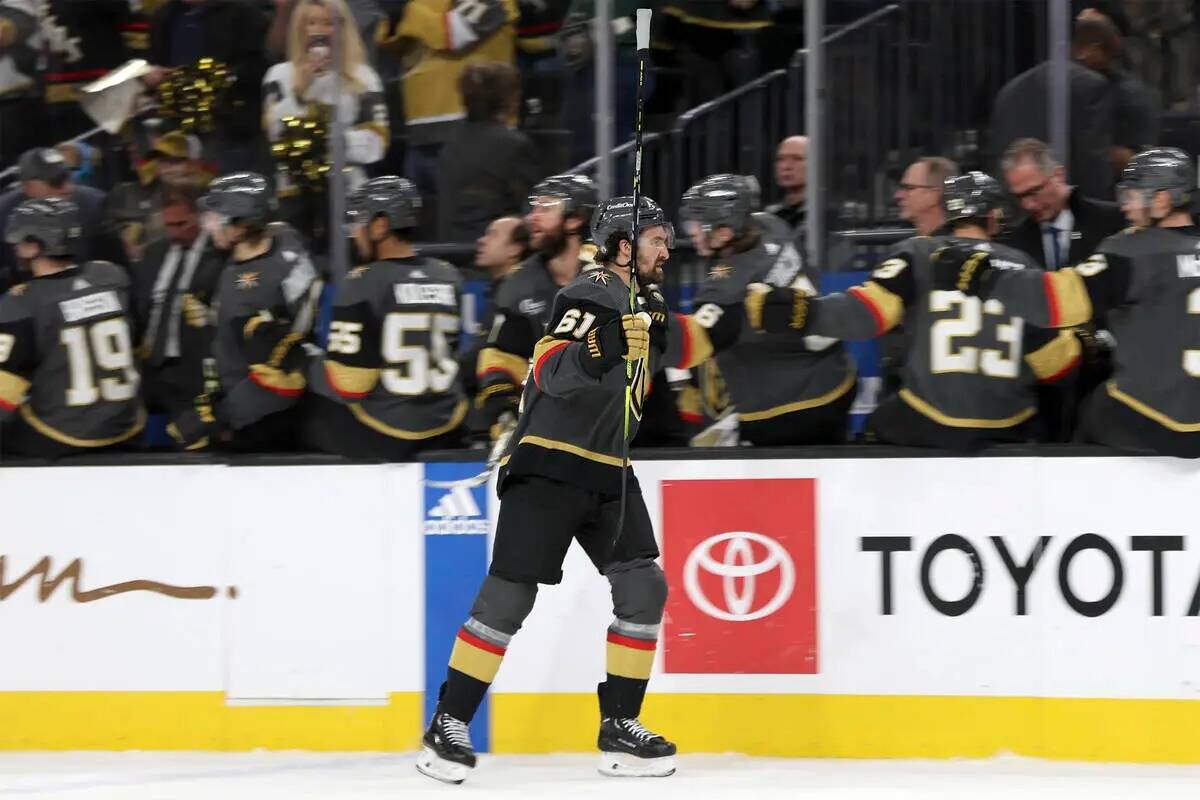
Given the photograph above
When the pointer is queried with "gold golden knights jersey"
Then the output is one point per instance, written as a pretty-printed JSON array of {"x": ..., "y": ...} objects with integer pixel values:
[
  {"x": 66, "y": 356},
  {"x": 971, "y": 362},
  {"x": 1146, "y": 283},
  {"x": 450, "y": 34},
  {"x": 392, "y": 344}
]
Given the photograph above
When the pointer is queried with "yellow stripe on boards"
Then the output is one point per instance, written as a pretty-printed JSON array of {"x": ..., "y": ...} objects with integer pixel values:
[
  {"x": 855, "y": 726},
  {"x": 201, "y": 721}
]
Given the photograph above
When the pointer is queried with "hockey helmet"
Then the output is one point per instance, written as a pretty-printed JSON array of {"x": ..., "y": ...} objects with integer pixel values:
[
  {"x": 973, "y": 194},
  {"x": 392, "y": 197},
  {"x": 577, "y": 192},
  {"x": 722, "y": 201},
  {"x": 240, "y": 197},
  {"x": 53, "y": 222},
  {"x": 1161, "y": 169},
  {"x": 613, "y": 221}
]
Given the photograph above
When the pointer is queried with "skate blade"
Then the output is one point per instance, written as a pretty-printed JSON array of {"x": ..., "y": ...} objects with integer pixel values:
[
  {"x": 623, "y": 765},
  {"x": 429, "y": 763}
]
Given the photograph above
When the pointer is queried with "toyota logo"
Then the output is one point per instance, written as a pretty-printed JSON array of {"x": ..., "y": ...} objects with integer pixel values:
[{"x": 738, "y": 566}]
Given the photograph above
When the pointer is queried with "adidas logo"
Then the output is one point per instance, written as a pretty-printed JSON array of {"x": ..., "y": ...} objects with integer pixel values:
[
  {"x": 80, "y": 284},
  {"x": 416, "y": 273},
  {"x": 456, "y": 513}
]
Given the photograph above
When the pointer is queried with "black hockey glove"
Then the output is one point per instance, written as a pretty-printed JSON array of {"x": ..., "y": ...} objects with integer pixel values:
[
  {"x": 654, "y": 304},
  {"x": 963, "y": 268},
  {"x": 627, "y": 338},
  {"x": 196, "y": 428},
  {"x": 775, "y": 309},
  {"x": 267, "y": 339}
]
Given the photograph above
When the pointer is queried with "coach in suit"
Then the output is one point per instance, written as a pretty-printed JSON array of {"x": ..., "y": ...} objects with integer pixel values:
[
  {"x": 1062, "y": 227},
  {"x": 1020, "y": 111}
]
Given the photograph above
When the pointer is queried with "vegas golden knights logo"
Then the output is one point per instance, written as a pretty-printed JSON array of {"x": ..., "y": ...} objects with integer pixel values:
[{"x": 641, "y": 387}]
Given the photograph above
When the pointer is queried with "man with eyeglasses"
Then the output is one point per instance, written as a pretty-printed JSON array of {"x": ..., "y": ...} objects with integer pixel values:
[
  {"x": 919, "y": 195},
  {"x": 1062, "y": 227}
]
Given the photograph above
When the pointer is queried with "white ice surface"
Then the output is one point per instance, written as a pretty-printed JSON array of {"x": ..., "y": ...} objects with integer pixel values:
[{"x": 276, "y": 776}]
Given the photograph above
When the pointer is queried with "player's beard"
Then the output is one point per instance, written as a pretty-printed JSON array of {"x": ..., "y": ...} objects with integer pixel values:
[{"x": 553, "y": 243}]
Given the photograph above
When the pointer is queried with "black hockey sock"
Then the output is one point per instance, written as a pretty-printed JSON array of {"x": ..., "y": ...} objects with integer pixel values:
[
  {"x": 621, "y": 697},
  {"x": 461, "y": 695}
]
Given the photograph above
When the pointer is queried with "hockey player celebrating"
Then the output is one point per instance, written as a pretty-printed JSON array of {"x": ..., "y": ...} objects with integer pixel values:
[
  {"x": 561, "y": 480},
  {"x": 265, "y": 303},
  {"x": 971, "y": 367},
  {"x": 560, "y": 208},
  {"x": 787, "y": 390},
  {"x": 67, "y": 374},
  {"x": 1146, "y": 281},
  {"x": 389, "y": 383}
]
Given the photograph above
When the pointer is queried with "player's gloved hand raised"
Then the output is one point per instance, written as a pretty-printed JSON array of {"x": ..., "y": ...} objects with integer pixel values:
[
  {"x": 627, "y": 338},
  {"x": 963, "y": 268},
  {"x": 775, "y": 309},
  {"x": 196, "y": 428}
]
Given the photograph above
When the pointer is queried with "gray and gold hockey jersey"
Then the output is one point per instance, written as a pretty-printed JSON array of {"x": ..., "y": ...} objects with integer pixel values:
[
  {"x": 279, "y": 285},
  {"x": 523, "y": 303},
  {"x": 768, "y": 375},
  {"x": 392, "y": 344},
  {"x": 971, "y": 363},
  {"x": 1147, "y": 284},
  {"x": 572, "y": 425},
  {"x": 66, "y": 356}
]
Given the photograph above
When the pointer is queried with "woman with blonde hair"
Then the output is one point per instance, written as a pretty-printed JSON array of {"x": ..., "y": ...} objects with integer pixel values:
[{"x": 309, "y": 83}]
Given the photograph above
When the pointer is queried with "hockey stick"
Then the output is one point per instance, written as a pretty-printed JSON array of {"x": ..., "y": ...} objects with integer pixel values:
[{"x": 643, "y": 46}]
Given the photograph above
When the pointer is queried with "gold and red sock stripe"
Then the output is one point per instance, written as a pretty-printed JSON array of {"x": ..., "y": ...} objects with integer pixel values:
[
  {"x": 629, "y": 657},
  {"x": 475, "y": 656}
]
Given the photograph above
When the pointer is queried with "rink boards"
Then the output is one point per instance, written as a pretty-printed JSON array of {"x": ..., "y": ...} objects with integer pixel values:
[{"x": 870, "y": 607}]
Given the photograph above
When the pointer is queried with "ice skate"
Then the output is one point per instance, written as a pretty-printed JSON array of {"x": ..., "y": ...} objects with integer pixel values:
[
  {"x": 447, "y": 755},
  {"x": 628, "y": 750}
]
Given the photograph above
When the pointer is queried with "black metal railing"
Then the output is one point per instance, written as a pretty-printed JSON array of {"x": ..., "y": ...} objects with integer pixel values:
[{"x": 910, "y": 79}]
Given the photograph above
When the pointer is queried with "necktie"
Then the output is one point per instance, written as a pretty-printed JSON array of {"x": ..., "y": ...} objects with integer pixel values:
[{"x": 1055, "y": 248}]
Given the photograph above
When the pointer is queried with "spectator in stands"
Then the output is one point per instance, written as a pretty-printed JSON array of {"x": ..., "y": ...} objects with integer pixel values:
[
  {"x": 173, "y": 287},
  {"x": 438, "y": 39},
  {"x": 791, "y": 176},
  {"x": 718, "y": 42},
  {"x": 48, "y": 50},
  {"x": 1063, "y": 227},
  {"x": 1162, "y": 48},
  {"x": 21, "y": 106},
  {"x": 488, "y": 168},
  {"x": 1135, "y": 112},
  {"x": 367, "y": 17},
  {"x": 919, "y": 195},
  {"x": 309, "y": 85},
  {"x": 43, "y": 173},
  {"x": 231, "y": 32},
  {"x": 1020, "y": 111},
  {"x": 133, "y": 206}
]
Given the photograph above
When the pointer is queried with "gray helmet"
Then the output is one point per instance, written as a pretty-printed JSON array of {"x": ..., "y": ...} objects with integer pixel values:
[
  {"x": 613, "y": 221},
  {"x": 722, "y": 201},
  {"x": 973, "y": 194},
  {"x": 53, "y": 222},
  {"x": 243, "y": 197},
  {"x": 389, "y": 196},
  {"x": 1161, "y": 169},
  {"x": 577, "y": 191}
]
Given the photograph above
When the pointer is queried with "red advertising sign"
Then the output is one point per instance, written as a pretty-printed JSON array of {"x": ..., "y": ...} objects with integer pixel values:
[{"x": 740, "y": 558}]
